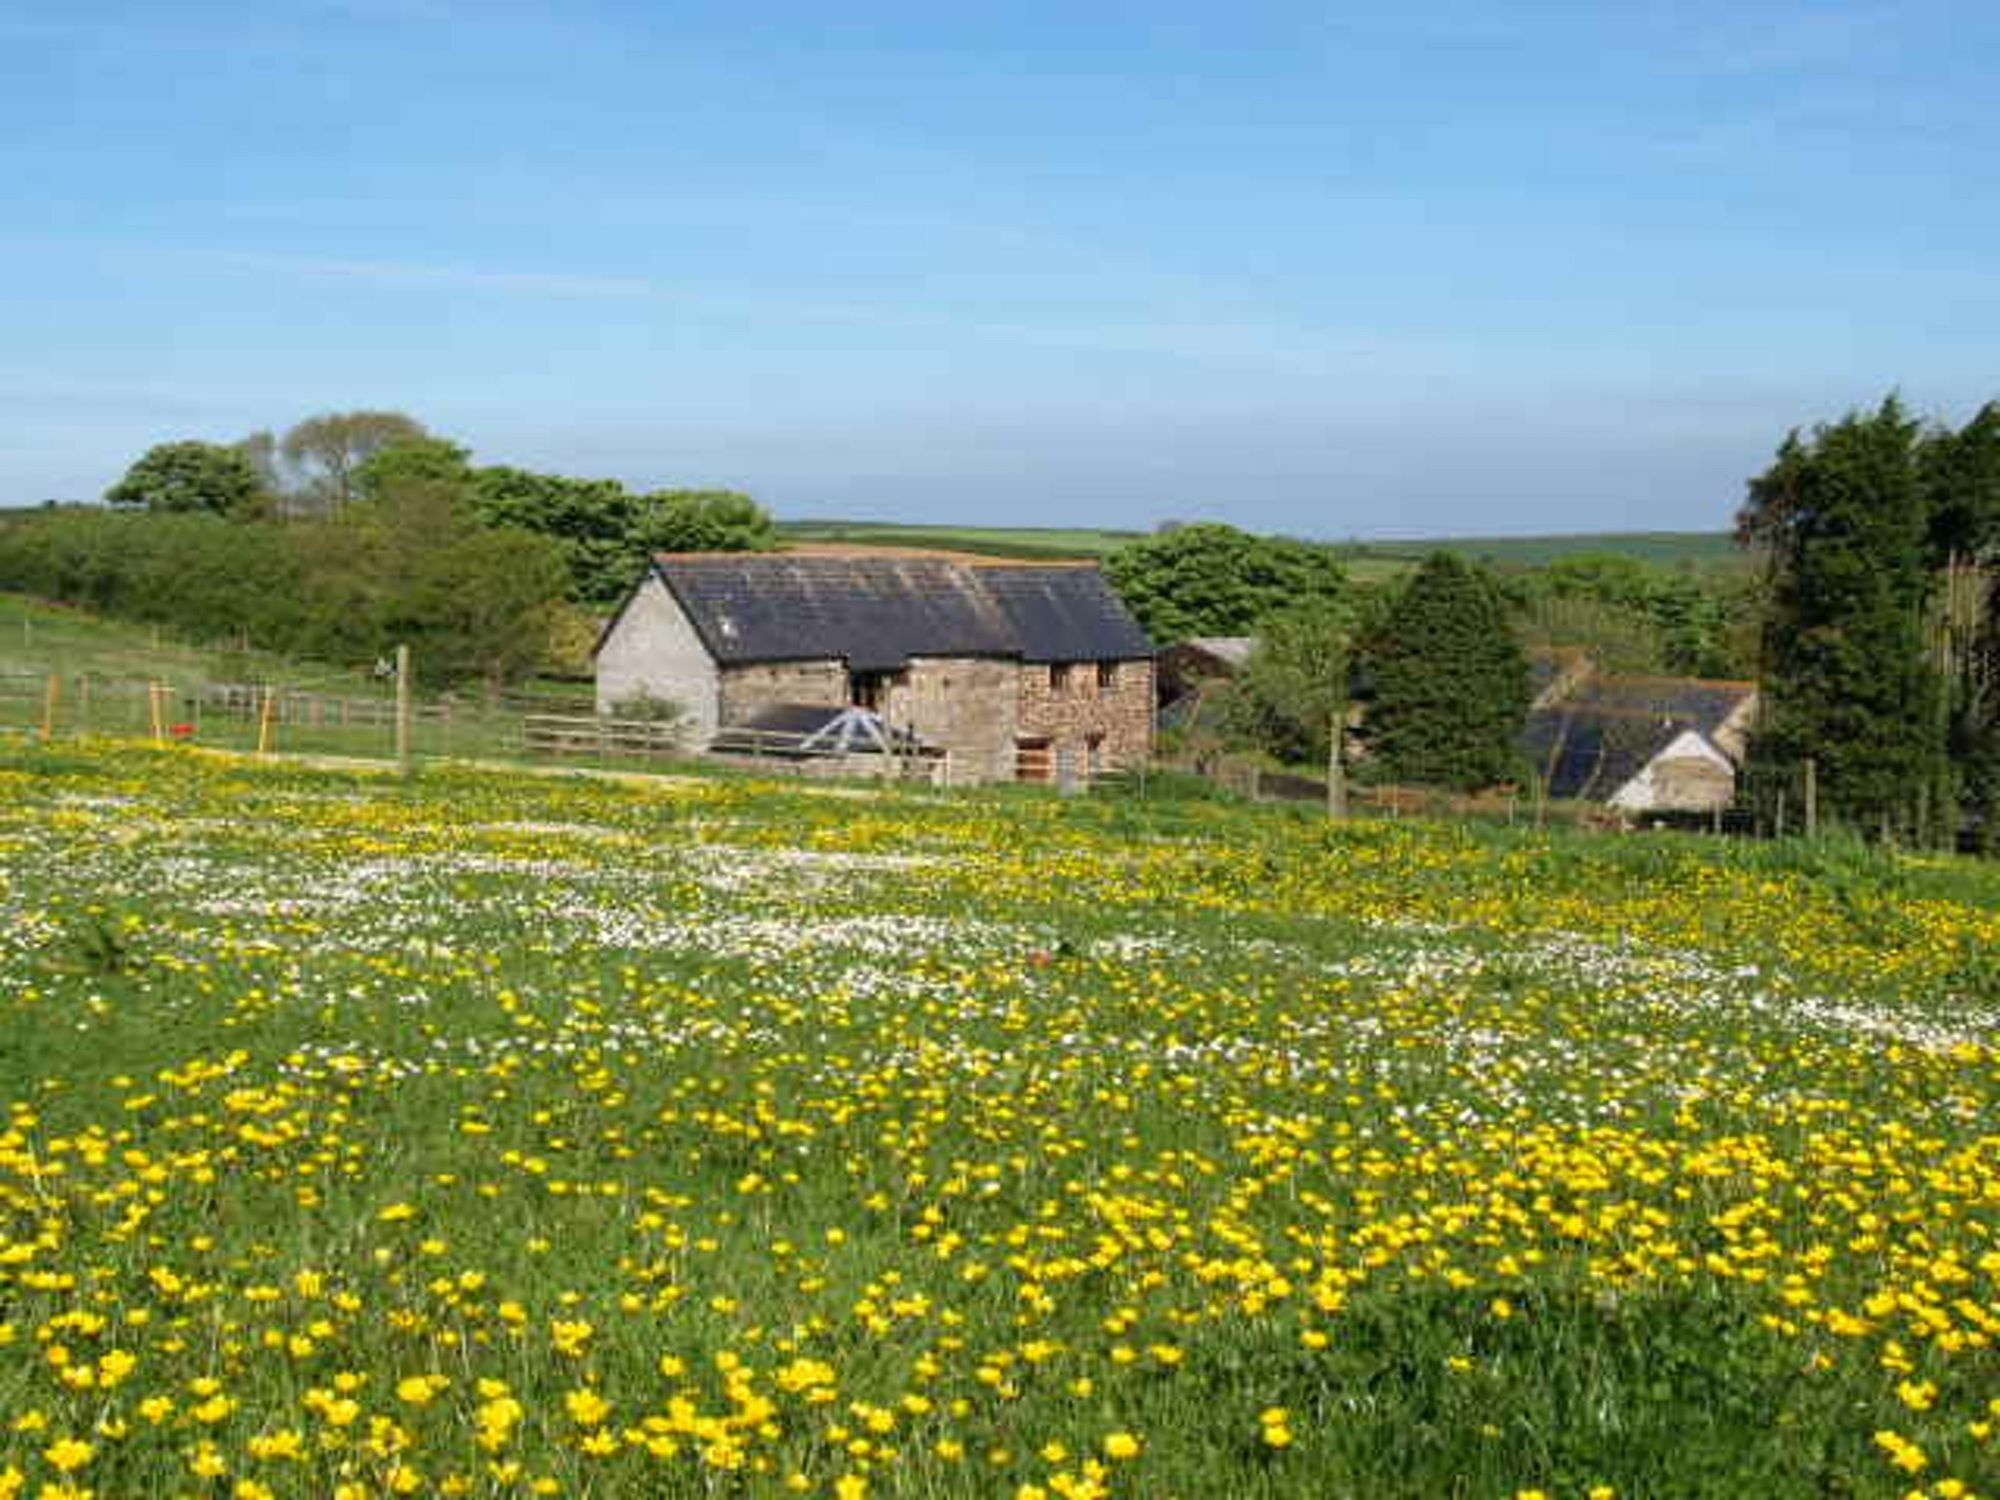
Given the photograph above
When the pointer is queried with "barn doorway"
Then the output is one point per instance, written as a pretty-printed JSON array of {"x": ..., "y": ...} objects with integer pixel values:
[{"x": 1033, "y": 760}]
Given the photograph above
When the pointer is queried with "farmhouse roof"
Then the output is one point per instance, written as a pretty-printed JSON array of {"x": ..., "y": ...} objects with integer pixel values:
[
  {"x": 1595, "y": 739},
  {"x": 1697, "y": 702},
  {"x": 877, "y": 611},
  {"x": 1226, "y": 652}
]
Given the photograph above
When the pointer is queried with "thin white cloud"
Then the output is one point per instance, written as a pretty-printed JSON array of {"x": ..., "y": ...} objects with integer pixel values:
[{"x": 467, "y": 278}]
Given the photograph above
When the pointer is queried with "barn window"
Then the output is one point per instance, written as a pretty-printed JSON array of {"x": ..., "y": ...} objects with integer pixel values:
[
  {"x": 1107, "y": 676},
  {"x": 1062, "y": 677}
]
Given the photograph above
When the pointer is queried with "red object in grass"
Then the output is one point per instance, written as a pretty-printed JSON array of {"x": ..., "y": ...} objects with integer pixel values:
[{"x": 181, "y": 731}]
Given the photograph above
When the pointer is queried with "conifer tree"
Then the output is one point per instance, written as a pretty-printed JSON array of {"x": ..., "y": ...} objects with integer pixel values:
[
  {"x": 1450, "y": 681},
  {"x": 1845, "y": 519}
]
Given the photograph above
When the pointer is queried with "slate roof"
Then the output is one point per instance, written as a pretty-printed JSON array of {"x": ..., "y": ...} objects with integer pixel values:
[
  {"x": 1228, "y": 650},
  {"x": 1595, "y": 751},
  {"x": 1556, "y": 670},
  {"x": 877, "y": 612},
  {"x": 1185, "y": 665},
  {"x": 1603, "y": 733},
  {"x": 1696, "y": 702}
]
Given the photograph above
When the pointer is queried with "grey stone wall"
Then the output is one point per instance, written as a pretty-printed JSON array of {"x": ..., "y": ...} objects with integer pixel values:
[
  {"x": 748, "y": 688},
  {"x": 965, "y": 704},
  {"x": 653, "y": 650}
]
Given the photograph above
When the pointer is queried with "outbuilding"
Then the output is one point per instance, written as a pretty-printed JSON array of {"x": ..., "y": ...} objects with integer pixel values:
[{"x": 1010, "y": 669}]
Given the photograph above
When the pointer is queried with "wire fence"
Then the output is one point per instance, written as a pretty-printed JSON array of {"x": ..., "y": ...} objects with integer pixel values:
[{"x": 269, "y": 716}]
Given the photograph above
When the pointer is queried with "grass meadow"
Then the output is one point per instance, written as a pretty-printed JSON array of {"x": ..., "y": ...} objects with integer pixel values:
[
  {"x": 484, "y": 1135},
  {"x": 1367, "y": 562}
]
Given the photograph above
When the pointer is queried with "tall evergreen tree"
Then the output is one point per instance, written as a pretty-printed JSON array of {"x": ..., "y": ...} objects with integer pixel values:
[
  {"x": 1450, "y": 680},
  {"x": 1845, "y": 521},
  {"x": 1961, "y": 472}
]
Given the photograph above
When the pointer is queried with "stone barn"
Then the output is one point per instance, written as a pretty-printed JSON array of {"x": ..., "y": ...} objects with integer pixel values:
[
  {"x": 1642, "y": 745},
  {"x": 1011, "y": 669}
]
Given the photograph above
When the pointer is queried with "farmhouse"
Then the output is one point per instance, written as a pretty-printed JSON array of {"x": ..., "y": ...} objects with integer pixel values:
[
  {"x": 1642, "y": 744},
  {"x": 1008, "y": 668}
]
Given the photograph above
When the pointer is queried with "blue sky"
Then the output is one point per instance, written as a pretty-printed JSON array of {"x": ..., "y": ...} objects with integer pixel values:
[{"x": 1337, "y": 270}]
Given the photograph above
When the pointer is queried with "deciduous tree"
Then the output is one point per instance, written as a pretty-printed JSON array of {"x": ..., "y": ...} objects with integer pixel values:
[
  {"x": 702, "y": 521},
  {"x": 594, "y": 521},
  {"x": 1209, "y": 579},
  {"x": 191, "y": 477},
  {"x": 326, "y": 451}
]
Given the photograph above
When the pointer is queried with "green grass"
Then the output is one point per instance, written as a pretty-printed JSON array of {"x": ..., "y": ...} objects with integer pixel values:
[
  {"x": 1368, "y": 562},
  {"x": 104, "y": 668},
  {"x": 991, "y": 541},
  {"x": 37, "y": 637},
  {"x": 369, "y": 1132},
  {"x": 1671, "y": 549}
]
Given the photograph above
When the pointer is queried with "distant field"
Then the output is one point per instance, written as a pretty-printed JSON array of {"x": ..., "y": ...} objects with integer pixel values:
[
  {"x": 1374, "y": 560},
  {"x": 992, "y": 541},
  {"x": 1665, "y": 548}
]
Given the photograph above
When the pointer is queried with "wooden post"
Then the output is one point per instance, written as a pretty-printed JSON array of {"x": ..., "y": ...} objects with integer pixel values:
[
  {"x": 403, "y": 762},
  {"x": 156, "y": 694},
  {"x": 1336, "y": 766},
  {"x": 1779, "y": 830},
  {"x": 267, "y": 716},
  {"x": 1812, "y": 797},
  {"x": 51, "y": 701}
]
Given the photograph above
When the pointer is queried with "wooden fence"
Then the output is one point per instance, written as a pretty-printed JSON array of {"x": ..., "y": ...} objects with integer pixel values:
[{"x": 606, "y": 739}]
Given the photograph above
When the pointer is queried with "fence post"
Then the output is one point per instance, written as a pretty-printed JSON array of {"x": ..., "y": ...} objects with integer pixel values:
[
  {"x": 403, "y": 762},
  {"x": 267, "y": 715},
  {"x": 1336, "y": 765},
  {"x": 1812, "y": 797},
  {"x": 51, "y": 700},
  {"x": 156, "y": 692}
]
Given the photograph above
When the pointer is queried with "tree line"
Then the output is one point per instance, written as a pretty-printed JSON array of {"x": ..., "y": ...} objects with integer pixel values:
[
  {"x": 1868, "y": 613},
  {"x": 357, "y": 531},
  {"x": 1881, "y": 640},
  {"x": 1426, "y": 675}
]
